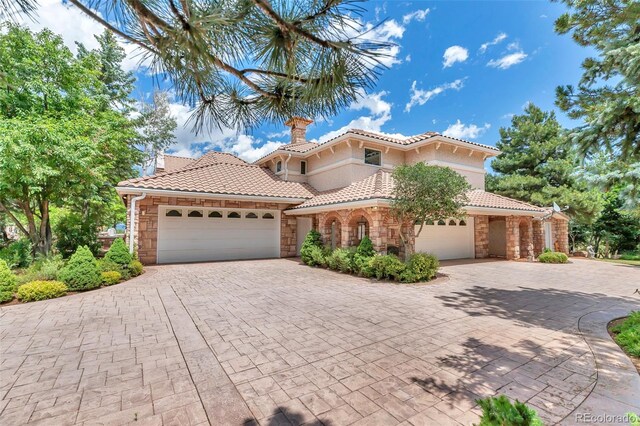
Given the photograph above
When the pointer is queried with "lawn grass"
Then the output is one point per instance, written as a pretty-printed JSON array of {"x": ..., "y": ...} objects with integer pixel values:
[
  {"x": 621, "y": 261},
  {"x": 627, "y": 334}
]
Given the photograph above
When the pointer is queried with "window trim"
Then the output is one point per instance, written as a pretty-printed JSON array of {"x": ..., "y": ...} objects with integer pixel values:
[
  {"x": 303, "y": 170},
  {"x": 278, "y": 166},
  {"x": 197, "y": 212},
  {"x": 166, "y": 213},
  {"x": 365, "y": 157}
]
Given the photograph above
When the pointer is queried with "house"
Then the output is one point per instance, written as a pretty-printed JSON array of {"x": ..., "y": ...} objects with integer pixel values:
[{"x": 218, "y": 207}]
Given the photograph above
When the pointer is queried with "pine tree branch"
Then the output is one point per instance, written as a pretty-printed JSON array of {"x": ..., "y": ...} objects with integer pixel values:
[{"x": 110, "y": 27}]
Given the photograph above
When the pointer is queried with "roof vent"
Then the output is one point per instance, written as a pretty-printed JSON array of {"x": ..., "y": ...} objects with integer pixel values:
[{"x": 298, "y": 129}]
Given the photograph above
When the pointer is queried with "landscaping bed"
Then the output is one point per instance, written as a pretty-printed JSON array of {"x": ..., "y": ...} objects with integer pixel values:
[
  {"x": 626, "y": 333},
  {"x": 365, "y": 262},
  {"x": 52, "y": 277}
]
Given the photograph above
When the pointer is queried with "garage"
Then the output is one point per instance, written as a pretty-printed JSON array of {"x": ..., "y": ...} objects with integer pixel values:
[
  {"x": 195, "y": 234},
  {"x": 447, "y": 239}
]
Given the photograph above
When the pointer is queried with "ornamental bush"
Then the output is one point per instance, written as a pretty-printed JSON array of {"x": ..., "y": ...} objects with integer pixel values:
[
  {"x": 341, "y": 259},
  {"x": 17, "y": 254},
  {"x": 81, "y": 272},
  {"x": 119, "y": 253},
  {"x": 105, "y": 265},
  {"x": 41, "y": 290},
  {"x": 135, "y": 268},
  {"x": 420, "y": 267},
  {"x": 386, "y": 266},
  {"x": 363, "y": 255},
  {"x": 553, "y": 257},
  {"x": 8, "y": 282},
  {"x": 110, "y": 277},
  {"x": 313, "y": 239},
  {"x": 46, "y": 268},
  {"x": 499, "y": 411}
]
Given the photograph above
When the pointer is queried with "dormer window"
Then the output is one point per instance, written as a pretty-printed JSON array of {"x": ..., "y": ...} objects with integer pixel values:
[
  {"x": 278, "y": 166},
  {"x": 373, "y": 157},
  {"x": 303, "y": 167}
]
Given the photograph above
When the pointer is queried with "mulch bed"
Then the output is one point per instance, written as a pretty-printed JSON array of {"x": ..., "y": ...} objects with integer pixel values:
[{"x": 634, "y": 359}]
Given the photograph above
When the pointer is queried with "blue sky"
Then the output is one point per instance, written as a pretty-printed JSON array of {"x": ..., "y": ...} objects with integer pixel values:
[{"x": 441, "y": 77}]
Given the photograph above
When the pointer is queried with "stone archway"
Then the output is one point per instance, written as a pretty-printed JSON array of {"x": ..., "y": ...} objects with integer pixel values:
[
  {"x": 331, "y": 230},
  {"x": 359, "y": 224}
]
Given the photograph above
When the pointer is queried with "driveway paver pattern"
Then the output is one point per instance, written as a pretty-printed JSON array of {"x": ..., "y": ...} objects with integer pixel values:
[{"x": 275, "y": 342}]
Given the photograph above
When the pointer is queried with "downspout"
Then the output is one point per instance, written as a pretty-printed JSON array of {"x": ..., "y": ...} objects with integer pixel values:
[
  {"x": 132, "y": 219},
  {"x": 286, "y": 168}
]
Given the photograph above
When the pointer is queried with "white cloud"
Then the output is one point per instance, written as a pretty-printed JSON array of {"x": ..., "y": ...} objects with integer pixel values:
[
  {"x": 462, "y": 131},
  {"x": 379, "y": 114},
  {"x": 74, "y": 26},
  {"x": 407, "y": 58},
  {"x": 418, "y": 15},
  {"x": 498, "y": 39},
  {"x": 507, "y": 61},
  {"x": 454, "y": 54},
  {"x": 421, "y": 97}
]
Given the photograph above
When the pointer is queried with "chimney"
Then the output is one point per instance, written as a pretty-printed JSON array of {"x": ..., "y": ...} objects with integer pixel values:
[{"x": 298, "y": 129}]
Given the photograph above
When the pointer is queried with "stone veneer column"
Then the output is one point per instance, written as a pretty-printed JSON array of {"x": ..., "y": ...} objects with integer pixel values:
[
  {"x": 288, "y": 237},
  {"x": 561, "y": 235},
  {"x": 538, "y": 237},
  {"x": 481, "y": 236},
  {"x": 378, "y": 230},
  {"x": 513, "y": 237}
]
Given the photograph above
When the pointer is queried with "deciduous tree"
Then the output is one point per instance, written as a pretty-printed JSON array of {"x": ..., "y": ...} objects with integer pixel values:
[{"x": 424, "y": 193}]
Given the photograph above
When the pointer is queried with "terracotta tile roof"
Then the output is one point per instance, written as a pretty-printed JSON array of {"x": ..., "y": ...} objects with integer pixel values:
[
  {"x": 480, "y": 198},
  {"x": 407, "y": 140},
  {"x": 213, "y": 157},
  {"x": 174, "y": 162},
  {"x": 224, "y": 178},
  {"x": 380, "y": 186},
  {"x": 299, "y": 147}
]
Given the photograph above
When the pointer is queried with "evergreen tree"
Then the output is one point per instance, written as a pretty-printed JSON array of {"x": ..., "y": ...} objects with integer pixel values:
[{"x": 538, "y": 166}]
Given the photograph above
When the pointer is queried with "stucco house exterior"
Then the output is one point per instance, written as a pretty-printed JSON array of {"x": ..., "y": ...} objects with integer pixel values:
[{"x": 218, "y": 207}]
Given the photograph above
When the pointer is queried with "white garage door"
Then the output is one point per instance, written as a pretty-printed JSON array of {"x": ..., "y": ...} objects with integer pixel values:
[
  {"x": 448, "y": 239},
  {"x": 193, "y": 234}
]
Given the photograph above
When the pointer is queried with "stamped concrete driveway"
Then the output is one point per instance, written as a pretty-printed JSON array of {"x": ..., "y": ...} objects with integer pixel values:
[{"x": 276, "y": 342}]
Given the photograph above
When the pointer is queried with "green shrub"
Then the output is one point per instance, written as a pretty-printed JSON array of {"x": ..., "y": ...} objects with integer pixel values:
[
  {"x": 627, "y": 334},
  {"x": 6, "y": 296},
  {"x": 341, "y": 259},
  {"x": 119, "y": 253},
  {"x": 8, "y": 282},
  {"x": 316, "y": 256},
  {"x": 73, "y": 230},
  {"x": 499, "y": 411},
  {"x": 630, "y": 256},
  {"x": 313, "y": 239},
  {"x": 135, "y": 268},
  {"x": 41, "y": 290},
  {"x": 386, "y": 266},
  {"x": 17, "y": 254},
  {"x": 110, "y": 277},
  {"x": 420, "y": 267},
  {"x": 553, "y": 257},
  {"x": 46, "y": 268},
  {"x": 363, "y": 255},
  {"x": 7, "y": 279},
  {"x": 81, "y": 272},
  {"x": 105, "y": 265}
]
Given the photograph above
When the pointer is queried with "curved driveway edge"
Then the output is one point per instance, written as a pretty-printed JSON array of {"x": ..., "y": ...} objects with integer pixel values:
[{"x": 617, "y": 390}]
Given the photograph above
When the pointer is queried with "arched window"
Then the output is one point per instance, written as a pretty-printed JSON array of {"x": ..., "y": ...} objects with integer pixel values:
[
  {"x": 452, "y": 222},
  {"x": 251, "y": 216},
  {"x": 463, "y": 223},
  {"x": 234, "y": 215},
  {"x": 174, "y": 213},
  {"x": 267, "y": 216},
  {"x": 215, "y": 214},
  {"x": 195, "y": 213},
  {"x": 441, "y": 222}
]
